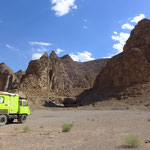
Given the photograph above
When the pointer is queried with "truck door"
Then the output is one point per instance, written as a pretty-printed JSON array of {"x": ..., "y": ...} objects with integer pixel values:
[{"x": 12, "y": 105}]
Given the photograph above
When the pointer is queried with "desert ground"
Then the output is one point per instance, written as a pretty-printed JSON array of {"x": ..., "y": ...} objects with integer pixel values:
[{"x": 92, "y": 130}]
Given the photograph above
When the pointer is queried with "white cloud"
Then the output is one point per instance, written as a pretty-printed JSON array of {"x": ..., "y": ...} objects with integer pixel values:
[
  {"x": 121, "y": 38},
  {"x": 138, "y": 18},
  {"x": 63, "y": 7},
  {"x": 109, "y": 56},
  {"x": 9, "y": 46},
  {"x": 115, "y": 32},
  {"x": 85, "y": 20},
  {"x": 82, "y": 57},
  {"x": 38, "y": 49},
  {"x": 118, "y": 46},
  {"x": 58, "y": 51},
  {"x": 85, "y": 27},
  {"x": 36, "y": 56},
  {"x": 127, "y": 26},
  {"x": 40, "y": 43},
  {"x": 12, "y": 48}
]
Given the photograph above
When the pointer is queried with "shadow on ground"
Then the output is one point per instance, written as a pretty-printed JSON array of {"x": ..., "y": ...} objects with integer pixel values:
[
  {"x": 92, "y": 96},
  {"x": 51, "y": 104},
  {"x": 125, "y": 147},
  {"x": 86, "y": 98}
]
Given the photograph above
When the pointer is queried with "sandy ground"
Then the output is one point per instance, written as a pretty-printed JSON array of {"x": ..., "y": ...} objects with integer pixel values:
[{"x": 92, "y": 130}]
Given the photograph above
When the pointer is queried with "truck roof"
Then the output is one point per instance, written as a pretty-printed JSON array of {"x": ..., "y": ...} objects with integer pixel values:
[{"x": 7, "y": 93}]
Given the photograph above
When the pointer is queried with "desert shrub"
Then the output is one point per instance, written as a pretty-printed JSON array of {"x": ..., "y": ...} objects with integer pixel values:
[
  {"x": 16, "y": 129},
  {"x": 26, "y": 129},
  {"x": 67, "y": 127},
  {"x": 132, "y": 141},
  {"x": 148, "y": 119},
  {"x": 41, "y": 126}
]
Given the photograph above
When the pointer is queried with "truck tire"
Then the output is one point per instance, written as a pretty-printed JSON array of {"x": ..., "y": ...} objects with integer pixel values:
[
  {"x": 3, "y": 120},
  {"x": 22, "y": 119}
]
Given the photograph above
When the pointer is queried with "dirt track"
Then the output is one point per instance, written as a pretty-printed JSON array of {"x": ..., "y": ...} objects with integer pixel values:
[{"x": 92, "y": 130}]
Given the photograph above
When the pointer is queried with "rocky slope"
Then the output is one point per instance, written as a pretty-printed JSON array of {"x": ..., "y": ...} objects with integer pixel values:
[
  {"x": 128, "y": 73},
  {"x": 7, "y": 77}
]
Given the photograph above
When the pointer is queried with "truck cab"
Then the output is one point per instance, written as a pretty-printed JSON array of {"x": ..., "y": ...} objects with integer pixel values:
[
  {"x": 23, "y": 106},
  {"x": 13, "y": 107}
]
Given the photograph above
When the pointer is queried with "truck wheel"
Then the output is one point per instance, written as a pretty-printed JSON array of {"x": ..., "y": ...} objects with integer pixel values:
[
  {"x": 3, "y": 120},
  {"x": 10, "y": 120},
  {"x": 22, "y": 119}
]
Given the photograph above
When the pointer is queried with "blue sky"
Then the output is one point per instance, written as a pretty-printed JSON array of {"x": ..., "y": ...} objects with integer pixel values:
[{"x": 85, "y": 29}]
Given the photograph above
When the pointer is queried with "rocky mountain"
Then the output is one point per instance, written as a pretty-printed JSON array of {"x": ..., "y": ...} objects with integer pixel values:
[
  {"x": 19, "y": 74},
  {"x": 51, "y": 76},
  {"x": 128, "y": 73},
  {"x": 7, "y": 77},
  {"x": 60, "y": 76},
  {"x": 125, "y": 76}
]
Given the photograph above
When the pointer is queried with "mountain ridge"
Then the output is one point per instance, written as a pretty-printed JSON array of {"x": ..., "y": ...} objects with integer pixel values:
[{"x": 55, "y": 76}]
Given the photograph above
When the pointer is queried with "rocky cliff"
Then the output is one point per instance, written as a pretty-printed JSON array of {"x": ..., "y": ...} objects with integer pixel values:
[
  {"x": 7, "y": 77},
  {"x": 126, "y": 77},
  {"x": 60, "y": 76},
  {"x": 132, "y": 66}
]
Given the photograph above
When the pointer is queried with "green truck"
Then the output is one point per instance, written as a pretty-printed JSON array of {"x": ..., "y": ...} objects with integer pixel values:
[{"x": 13, "y": 107}]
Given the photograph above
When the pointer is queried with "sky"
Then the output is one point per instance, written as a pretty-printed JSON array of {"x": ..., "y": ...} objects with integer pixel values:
[{"x": 84, "y": 29}]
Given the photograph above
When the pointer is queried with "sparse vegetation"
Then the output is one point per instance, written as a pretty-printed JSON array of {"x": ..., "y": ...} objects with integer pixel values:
[
  {"x": 41, "y": 126},
  {"x": 26, "y": 129},
  {"x": 67, "y": 127},
  {"x": 51, "y": 136},
  {"x": 132, "y": 141},
  {"x": 15, "y": 134},
  {"x": 16, "y": 129},
  {"x": 148, "y": 119},
  {"x": 93, "y": 120}
]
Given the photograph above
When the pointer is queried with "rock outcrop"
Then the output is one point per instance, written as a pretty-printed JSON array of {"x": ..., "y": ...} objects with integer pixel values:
[
  {"x": 7, "y": 77},
  {"x": 130, "y": 67},
  {"x": 19, "y": 74},
  {"x": 62, "y": 76}
]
